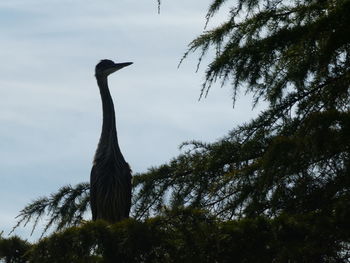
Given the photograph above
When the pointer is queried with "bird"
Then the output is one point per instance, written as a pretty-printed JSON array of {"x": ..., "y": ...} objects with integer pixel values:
[{"x": 110, "y": 178}]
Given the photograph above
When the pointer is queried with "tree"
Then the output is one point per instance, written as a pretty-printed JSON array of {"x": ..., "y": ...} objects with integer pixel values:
[
  {"x": 293, "y": 158},
  {"x": 292, "y": 162},
  {"x": 13, "y": 249},
  {"x": 187, "y": 235}
]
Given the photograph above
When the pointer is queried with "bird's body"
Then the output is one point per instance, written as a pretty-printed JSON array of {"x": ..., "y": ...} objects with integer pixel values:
[{"x": 110, "y": 180}]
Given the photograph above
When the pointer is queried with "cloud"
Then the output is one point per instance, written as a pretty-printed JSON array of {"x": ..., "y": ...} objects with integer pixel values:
[{"x": 50, "y": 110}]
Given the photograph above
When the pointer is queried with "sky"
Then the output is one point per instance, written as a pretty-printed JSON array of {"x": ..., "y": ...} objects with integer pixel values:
[{"x": 50, "y": 108}]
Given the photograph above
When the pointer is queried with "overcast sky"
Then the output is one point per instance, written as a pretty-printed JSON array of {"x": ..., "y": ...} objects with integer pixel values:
[{"x": 50, "y": 109}]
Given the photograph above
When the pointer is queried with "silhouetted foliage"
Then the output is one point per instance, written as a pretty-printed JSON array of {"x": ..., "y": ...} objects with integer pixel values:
[
  {"x": 64, "y": 208},
  {"x": 13, "y": 250},
  {"x": 296, "y": 167},
  {"x": 277, "y": 188},
  {"x": 191, "y": 235}
]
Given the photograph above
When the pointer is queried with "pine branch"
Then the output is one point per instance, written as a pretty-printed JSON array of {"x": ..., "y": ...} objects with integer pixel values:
[{"x": 64, "y": 208}]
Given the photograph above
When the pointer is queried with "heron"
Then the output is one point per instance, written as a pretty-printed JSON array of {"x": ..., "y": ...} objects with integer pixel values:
[{"x": 110, "y": 179}]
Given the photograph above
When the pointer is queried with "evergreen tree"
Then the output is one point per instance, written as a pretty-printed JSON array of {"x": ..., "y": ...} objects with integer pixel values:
[
  {"x": 294, "y": 157},
  {"x": 289, "y": 166}
]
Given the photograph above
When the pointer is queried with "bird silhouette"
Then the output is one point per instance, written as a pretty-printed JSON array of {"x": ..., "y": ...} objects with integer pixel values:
[{"x": 110, "y": 179}]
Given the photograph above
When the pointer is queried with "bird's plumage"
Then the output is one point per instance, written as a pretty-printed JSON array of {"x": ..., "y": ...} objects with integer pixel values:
[{"x": 110, "y": 179}]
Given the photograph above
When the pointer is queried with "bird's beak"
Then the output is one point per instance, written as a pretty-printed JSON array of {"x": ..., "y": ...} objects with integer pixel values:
[{"x": 118, "y": 66}]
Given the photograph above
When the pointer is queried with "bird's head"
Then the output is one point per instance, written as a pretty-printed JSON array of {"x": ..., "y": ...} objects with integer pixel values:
[{"x": 106, "y": 67}]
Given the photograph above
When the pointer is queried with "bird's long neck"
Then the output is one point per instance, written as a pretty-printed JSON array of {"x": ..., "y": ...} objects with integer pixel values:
[{"x": 108, "y": 145}]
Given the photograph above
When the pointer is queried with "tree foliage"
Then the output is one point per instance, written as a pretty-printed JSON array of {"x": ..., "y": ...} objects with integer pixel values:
[
  {"x": 304, "y": 167},
  {"x": 64, "y": 208},
  {"x": 294, "y": 157},
  {"x": 282, "y": 178},
  {"x": 191, "y": 235},
  {"x": 13, "y": 249}
]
